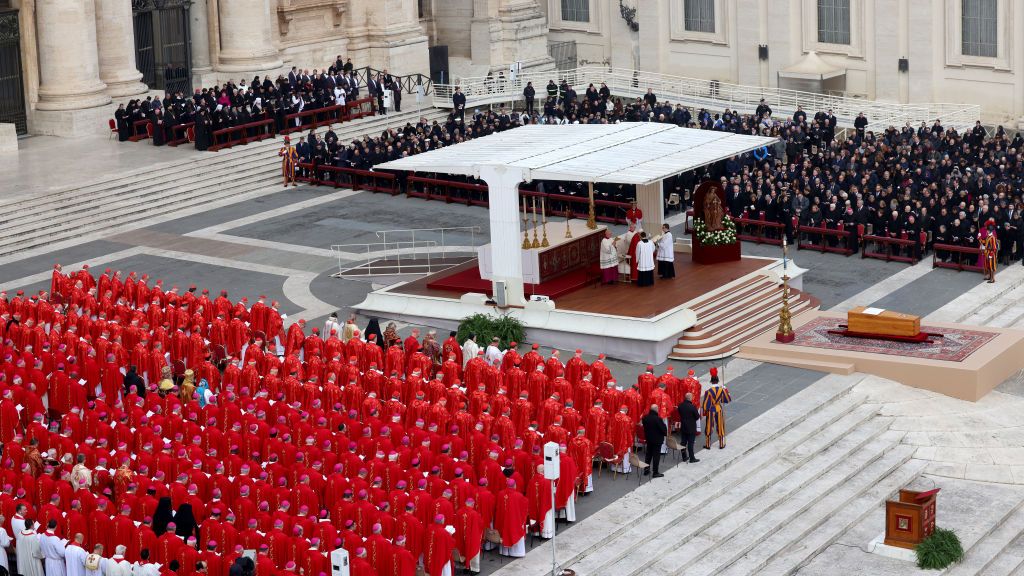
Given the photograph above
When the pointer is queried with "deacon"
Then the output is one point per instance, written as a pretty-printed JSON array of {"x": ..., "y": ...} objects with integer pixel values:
[{"x": 30, "y": 554}]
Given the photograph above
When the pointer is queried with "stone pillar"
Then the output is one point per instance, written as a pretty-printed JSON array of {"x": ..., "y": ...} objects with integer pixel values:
[
  {"x": 115, "y": 35},
  {"x": 68, "y": 58},
  {"x": 199, "y": 33},
  {"x": 246, "y": 42},
  {"x": 506, "y": 238}
]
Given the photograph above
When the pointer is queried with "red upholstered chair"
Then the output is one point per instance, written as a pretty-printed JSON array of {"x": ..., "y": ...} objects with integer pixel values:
[
  {"x": 760, "y": 215},
  {"x": 149, "y": 129},
  {"x": 113, "y": 127},
  {"x": 190, "y": 133},
  {"x": 607, "y": 457},
  {"x": 640, "y": 439}
]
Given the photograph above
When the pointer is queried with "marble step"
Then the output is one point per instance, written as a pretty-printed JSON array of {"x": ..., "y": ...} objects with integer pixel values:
[
  {"x": 747, "y": 310},
  {"x": 996, "y": 308},
  {"x": 791, "y": 546},
  {"x": 730, "y": 337},
  {"x": 220, "y": 168},
  {"x": 691, "y": 493},
  {"x": 805, "y": 504},
  {"x": 166, "y": 206},
  {"x": 729, "y": 308},
  {"x": 757, "y": 497},
  {"x": 997, "y": 553},
  {"x": 706, "y": 307},
  {"x": 718, "y": 348},
  {"x": 144, "y": 176}
]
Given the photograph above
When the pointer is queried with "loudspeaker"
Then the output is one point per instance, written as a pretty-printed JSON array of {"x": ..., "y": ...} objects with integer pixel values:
[
  {"x": 762, "y": 52},
  {"x": 439, "y": 72},
  {"x": 500, "y": 294},
  {"x": 904, "y": 65}
]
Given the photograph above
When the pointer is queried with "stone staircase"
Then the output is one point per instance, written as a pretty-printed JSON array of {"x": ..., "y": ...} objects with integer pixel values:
[
  {"x": 1000, "y": 552},
  {"x": 727, "y": 319},
  {"x": 789, "y": 484},
  {"x": 43, "y": 222}
]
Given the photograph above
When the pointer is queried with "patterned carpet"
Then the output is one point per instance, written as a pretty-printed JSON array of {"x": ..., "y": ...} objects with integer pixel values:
[{"x": 956, "y": 345}]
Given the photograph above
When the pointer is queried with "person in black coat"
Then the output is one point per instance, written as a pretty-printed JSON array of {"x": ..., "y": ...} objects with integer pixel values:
[
  {"x": 132, "y": 379},
  {"x": 688, "y": 418},
  {"x": 530, "y": 94},
  {"x": 654, "y": 431}
]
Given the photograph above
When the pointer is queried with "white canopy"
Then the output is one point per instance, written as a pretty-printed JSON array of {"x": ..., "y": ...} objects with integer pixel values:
[
  {"x": 811, "y": 67},
  {"x": 629, "y": 153}
]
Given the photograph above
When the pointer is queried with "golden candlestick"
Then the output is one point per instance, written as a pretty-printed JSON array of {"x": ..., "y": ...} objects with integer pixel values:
[
  {"x": 526, "y": 228},
  {"x": 568, "y": 233},
  {"x": 785, "y": 331},
  {"x": 536, "y": 241},
  {"x": 591, "y": 217},
  {"x": 544, "y": 223}
]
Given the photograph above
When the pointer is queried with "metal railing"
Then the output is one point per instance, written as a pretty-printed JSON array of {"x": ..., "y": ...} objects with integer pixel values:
[
  {"x": 406, "y": 256},
  {"x": 408, "y": 82},
  {"x": 712, "y": 94}
]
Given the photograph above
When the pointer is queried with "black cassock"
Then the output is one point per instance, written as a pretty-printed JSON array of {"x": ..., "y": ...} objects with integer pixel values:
[
  {"x": 123, "y": 127},
  {"x": 158, "y": 128}
]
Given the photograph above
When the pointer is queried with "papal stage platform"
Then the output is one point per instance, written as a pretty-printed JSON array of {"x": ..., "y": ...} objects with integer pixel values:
[{"x": 628, "y": 322}]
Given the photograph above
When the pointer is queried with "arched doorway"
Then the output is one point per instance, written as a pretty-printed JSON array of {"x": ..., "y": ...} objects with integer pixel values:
[{"x": 163, "y": 51}]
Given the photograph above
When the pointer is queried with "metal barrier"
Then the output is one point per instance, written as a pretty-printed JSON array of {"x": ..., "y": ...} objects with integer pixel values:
[
  {"x": 818, "y": 238},
  {"x": 697, "y": 92},
  {"x": 958, "y": 253},
  {"x": 881, "y": 247},
  {"x": 405, "y": 256}
]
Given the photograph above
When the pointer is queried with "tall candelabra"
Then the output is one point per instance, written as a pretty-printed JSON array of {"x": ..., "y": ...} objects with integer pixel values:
[
  {"x": 536, "y": 241},
  {"x": 568, "y": 233},
  {"x": 526, "y": 228},
  {"x": 591, "y": 216},
  {"x": 544, "y": 224},
  {"x": 785, "y": 332}
]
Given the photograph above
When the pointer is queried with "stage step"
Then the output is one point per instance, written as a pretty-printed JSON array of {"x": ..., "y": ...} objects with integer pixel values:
[
  {"x": 729, "y": 319},
  {"x": 162, "y": 191},
  {"x": 997, "y": 553},
  {"x": 818, "y": 365}
]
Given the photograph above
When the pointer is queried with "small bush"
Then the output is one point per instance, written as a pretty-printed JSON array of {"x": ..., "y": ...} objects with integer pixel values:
[
  {"x": 506, "y": 328},
  {"x": 939, "y": 550}
]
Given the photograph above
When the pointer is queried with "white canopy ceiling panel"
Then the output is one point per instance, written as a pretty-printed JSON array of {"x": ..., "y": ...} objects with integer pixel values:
[{"x": 631, "y": 153}]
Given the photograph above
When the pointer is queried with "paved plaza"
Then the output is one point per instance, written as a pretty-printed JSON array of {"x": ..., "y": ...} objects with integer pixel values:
[{"x": 278, "y": 243}]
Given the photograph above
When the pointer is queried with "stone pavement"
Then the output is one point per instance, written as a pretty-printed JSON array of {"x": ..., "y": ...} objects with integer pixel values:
[{"x": 278, "y": 243}]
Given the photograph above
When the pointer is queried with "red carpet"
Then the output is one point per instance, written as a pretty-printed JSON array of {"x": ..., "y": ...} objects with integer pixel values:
[{"x": 469, "y": 280}]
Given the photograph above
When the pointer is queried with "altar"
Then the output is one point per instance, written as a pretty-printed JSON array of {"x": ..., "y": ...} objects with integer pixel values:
[{"x": 561, "y": 256}]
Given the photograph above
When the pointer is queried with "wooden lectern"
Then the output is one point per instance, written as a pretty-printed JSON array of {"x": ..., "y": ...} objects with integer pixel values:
[{"x": 910, "y": 519}]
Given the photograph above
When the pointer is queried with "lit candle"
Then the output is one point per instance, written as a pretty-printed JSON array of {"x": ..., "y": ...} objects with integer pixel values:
[
  {"x": 534, "y": 199},
  {"x": 542, "y": 211}
]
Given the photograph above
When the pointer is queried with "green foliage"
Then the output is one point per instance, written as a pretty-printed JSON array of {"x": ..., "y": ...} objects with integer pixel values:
[
  {"x": 506, "y": 328},
  {"x": 939, "y": 550}
]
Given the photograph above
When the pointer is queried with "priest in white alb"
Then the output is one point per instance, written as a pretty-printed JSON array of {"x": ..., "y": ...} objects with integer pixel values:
[
  {"x": 666, "y": 254},
  {"x": 52, "y": 547},
  {"x": 609, "y": 258},
  {"x": 30, "y": 556},
  {"x": 74, "y": 556},
  {"x": 645, "y": 261}
]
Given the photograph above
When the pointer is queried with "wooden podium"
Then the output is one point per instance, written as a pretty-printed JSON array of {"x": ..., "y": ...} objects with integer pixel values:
[{"x": 910, "y": 519}]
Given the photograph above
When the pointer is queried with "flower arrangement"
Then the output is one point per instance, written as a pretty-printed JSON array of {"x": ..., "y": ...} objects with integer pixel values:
[{"x": 727, "y": 235}]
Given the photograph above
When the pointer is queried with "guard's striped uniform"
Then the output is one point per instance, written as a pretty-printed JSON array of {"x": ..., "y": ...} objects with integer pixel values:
[{"x": 713, "y": 406}]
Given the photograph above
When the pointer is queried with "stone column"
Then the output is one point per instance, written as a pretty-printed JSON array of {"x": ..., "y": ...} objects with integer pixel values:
[
  {"x": 68, "y": 58},
  {"x": 506, "y": 240},
  {"x": 115, "y": 35},
  {"x": 199, "y": 33},
  {"x": 650, "y": 201},
  {"x": 246, "y": 42}
]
